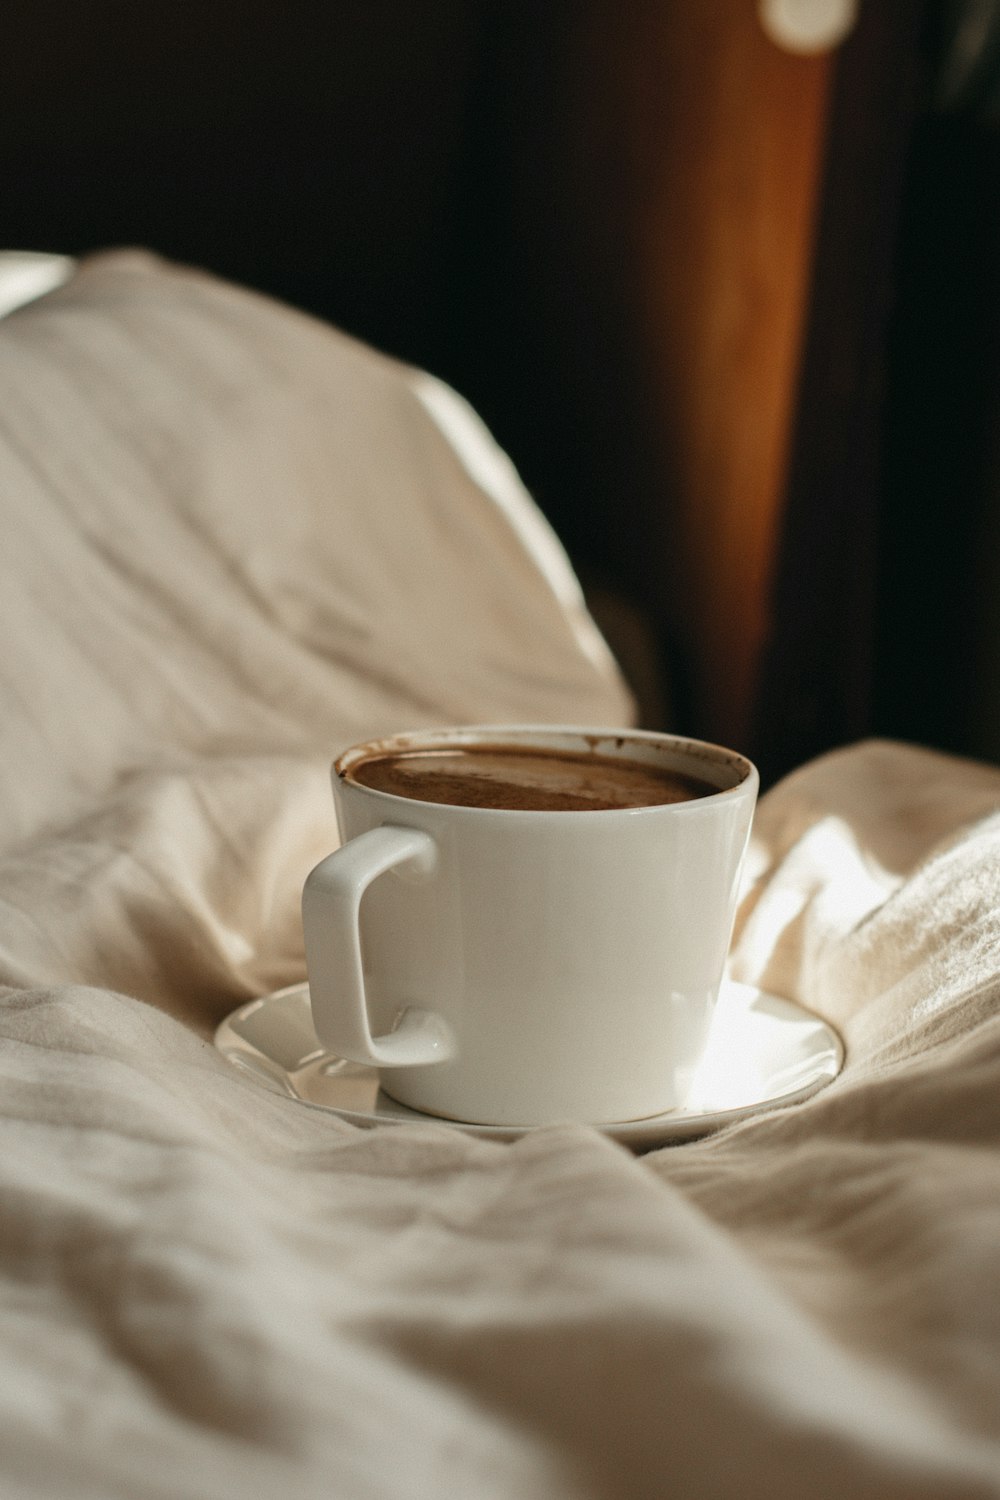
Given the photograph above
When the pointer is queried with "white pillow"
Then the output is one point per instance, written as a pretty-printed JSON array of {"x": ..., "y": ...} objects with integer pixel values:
[{"x": 235, "y": 540}]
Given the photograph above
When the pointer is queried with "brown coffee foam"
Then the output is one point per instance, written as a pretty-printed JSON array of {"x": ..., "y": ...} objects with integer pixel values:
[{"x": 525, "y": 778}]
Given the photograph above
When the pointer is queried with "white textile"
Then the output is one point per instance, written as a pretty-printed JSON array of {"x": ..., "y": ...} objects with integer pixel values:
[{"x": 233, "y": 542}]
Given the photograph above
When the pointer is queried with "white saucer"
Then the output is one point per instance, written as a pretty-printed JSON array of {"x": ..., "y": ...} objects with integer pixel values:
[{"x": 762, "y": 1053}]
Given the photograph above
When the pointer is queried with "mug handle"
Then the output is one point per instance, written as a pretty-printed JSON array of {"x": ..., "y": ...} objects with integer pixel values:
[{"x": 331, "y": 898}]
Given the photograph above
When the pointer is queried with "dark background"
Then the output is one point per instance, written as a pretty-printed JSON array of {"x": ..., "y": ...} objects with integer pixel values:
[{"x": 434, "y": 178}]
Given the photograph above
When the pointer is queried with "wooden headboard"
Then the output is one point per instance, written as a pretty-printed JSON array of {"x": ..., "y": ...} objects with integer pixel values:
[{"x": 598, "y": 221}]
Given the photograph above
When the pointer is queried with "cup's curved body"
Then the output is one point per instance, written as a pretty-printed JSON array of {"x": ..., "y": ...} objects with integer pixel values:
[{"x": 541, "y": 965}]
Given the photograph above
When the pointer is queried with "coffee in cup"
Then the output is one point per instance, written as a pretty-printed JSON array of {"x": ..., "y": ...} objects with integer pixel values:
[{"x": 520, "y": 777}]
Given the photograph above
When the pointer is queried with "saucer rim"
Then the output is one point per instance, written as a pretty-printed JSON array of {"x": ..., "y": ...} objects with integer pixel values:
[{"x": 673, "y": 1125}]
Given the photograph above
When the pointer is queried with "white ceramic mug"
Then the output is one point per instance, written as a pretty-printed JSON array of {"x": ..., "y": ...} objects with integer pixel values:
[{"x": 520, "y": 967}]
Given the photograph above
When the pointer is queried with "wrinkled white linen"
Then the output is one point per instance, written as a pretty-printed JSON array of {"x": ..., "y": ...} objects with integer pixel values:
[
  {"x": 234, "y": 542},
  {"x": 209, "y": 1290}
]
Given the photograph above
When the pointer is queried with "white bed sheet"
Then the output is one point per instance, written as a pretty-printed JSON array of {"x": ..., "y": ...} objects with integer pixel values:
[{"x": 207, "y": 1289}]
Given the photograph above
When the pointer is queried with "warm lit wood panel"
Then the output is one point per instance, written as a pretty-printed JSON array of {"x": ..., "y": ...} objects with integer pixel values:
[{"x": 729, "y": 129}]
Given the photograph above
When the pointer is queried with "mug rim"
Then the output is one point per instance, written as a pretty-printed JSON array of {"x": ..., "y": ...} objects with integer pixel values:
[{"x": 430, "y": 738}]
